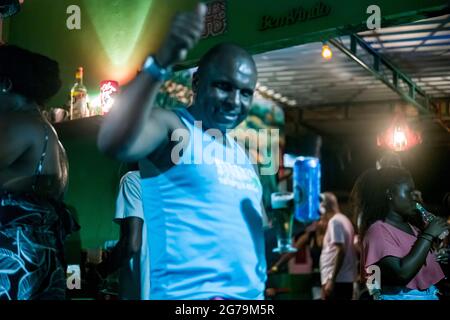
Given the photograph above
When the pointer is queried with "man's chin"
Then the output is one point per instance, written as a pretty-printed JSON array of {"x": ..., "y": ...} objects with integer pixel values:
[{"x": 223, "y": 126}]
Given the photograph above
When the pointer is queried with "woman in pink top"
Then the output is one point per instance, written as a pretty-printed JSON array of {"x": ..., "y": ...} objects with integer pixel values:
[{"x": 397, "y": 258}]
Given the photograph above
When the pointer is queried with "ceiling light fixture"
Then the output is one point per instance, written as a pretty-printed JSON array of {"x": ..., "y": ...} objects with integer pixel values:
[
  {"x": 327, "y": 54},
  {"x": 399, "y": 136}
]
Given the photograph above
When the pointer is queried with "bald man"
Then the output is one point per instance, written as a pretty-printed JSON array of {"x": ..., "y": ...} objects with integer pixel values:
[
  {"x": 338, "y": 256},
  {"x": 202, "y": 210}
]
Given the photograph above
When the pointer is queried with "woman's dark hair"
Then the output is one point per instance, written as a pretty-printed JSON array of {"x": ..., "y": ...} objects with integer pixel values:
[
  {"x": 369, "y": 196},
  {"x": 32, "y": 75}
]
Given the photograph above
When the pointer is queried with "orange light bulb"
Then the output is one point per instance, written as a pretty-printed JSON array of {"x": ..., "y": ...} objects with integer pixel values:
[{"x": 327, "y": 54}]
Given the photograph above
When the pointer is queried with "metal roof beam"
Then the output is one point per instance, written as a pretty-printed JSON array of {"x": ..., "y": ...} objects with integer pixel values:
[
  {"x": 358, "y": 52},
  {"x": 373, "y": 34},
  {"x": 434, "y": 37}
]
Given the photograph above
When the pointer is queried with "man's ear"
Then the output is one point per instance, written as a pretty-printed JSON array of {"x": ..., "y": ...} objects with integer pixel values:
[{"x": 195, "y": 81}]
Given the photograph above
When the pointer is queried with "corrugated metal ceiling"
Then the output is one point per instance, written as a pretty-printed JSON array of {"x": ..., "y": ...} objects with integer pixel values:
[
  {"x": 339, "y": 97},
  {"x": 421, "y": 50}
]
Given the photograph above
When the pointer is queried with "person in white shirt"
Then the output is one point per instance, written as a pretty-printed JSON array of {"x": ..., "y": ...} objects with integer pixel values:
[
  {"x": 338, "y": 256},
  {"x": 131, "y": 252}
]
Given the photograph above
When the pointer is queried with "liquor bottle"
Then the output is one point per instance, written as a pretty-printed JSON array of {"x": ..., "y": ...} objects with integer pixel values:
[
  {"x": 428, "y": 217},
  {"x": 78, "y": 97}
]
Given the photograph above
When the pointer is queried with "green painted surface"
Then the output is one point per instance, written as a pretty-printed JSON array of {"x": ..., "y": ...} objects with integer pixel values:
[
  {"x": 5, "y": 30},
  {"x": 128, "y": 18},
  {"x": 93, "y": 184},
  {"x": 114, "y": 38},
  {"x": 293, "y": 286}
]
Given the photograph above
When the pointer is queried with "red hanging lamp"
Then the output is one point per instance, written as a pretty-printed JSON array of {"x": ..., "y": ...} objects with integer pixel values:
[{"x": 399, "y": 136}]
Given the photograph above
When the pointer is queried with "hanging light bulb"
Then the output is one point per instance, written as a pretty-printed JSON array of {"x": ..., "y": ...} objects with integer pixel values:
[
  {"x": 399, "y": 136},
  {"x": 327, "y": 54},
  {"x": 399, "y": 139}
]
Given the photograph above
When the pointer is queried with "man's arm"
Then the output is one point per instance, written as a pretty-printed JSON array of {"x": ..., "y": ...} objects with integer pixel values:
[
  {"x": 336, "y": 232},
  {"x": 129, "y": 244},
  {"x": 133, "y": 128},
  {"x": 328, "y": 288}
]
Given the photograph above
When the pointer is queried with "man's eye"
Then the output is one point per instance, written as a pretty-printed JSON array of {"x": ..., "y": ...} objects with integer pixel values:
[
  {"x": 247, "y": 94},
  {"x": 223, "y": 86}
]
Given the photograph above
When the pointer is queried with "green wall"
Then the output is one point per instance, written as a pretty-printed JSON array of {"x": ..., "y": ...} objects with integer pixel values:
[
  {"x": 5, "y": 30},
  {"x": 93, "y": 184},
  {"x": 114, "y": 37}
]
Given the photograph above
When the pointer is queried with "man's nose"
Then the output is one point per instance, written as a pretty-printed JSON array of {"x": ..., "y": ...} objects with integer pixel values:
[{"x": 233, "y": 97}]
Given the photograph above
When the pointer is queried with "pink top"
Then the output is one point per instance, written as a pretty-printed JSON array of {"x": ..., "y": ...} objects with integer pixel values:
[{"x": 383, "y": 239}]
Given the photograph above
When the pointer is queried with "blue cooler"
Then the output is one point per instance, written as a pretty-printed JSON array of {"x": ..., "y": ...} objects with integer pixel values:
[{"x": 307, "y": 189}]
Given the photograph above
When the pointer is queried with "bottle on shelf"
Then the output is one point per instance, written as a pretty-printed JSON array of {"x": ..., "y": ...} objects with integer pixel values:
[{"x": 78, "y": 97}]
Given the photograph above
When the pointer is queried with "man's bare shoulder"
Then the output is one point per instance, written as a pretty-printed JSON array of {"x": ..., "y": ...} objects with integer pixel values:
[{"x": 169, "y": 117}]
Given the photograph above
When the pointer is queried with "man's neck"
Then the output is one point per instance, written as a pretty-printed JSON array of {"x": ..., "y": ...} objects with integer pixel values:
[{"x": 330, "y": 214}]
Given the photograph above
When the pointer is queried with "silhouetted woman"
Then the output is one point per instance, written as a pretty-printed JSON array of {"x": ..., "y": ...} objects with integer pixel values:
[
  {"x": 385, "y": 200},
  {"x": 33, "y": 177}
]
